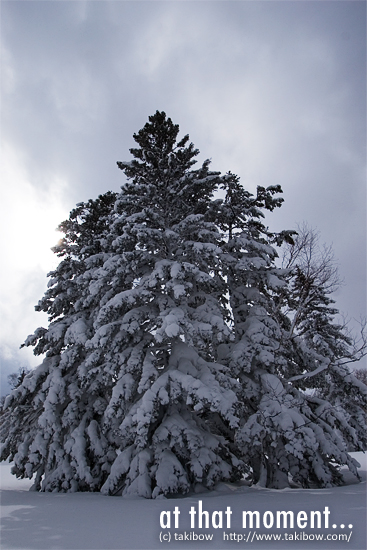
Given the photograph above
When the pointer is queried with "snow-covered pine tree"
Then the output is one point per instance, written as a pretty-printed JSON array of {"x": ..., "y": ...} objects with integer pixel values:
[
  {"x": 254, "y": 282},
  {"x": 173, "y": 404},
  {"x": 43, "y": 416},
  {"x": 130, "y": 398}
]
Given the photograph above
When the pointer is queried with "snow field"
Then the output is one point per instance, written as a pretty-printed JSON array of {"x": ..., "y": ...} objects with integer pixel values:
[{"x": 92, "y": 521}]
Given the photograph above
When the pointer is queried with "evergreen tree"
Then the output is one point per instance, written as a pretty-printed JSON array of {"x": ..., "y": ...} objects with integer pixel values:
[
  {"x": 130, "y": 398},
  {"x": 42, "y": 426},
  {"x": 173, "y": 405}
]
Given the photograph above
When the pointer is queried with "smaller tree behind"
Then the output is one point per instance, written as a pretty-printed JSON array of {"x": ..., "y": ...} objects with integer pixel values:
[
  {"x": 16, "y": 378},
  {"x": 361, "y": 374},
  {"x": 314, "y": 278},
  {"x": 303, "y": 409}
]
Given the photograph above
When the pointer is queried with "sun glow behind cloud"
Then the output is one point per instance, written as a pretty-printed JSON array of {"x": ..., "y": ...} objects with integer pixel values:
[{"x": 28, "y": 219}]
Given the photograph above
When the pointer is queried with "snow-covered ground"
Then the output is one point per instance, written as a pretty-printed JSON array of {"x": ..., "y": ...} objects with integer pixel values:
[{"x": 36, "y": 521}]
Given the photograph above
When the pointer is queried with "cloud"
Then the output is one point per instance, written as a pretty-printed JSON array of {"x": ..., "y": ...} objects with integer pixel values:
[{"x": 28, "y": 219}]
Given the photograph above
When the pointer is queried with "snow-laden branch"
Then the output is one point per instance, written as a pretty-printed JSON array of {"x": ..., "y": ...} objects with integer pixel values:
[{"x": 319, "y": 369}]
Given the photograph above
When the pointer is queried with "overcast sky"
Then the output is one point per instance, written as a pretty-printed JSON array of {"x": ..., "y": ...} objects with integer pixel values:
[{"x": 273, "y": 91}]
